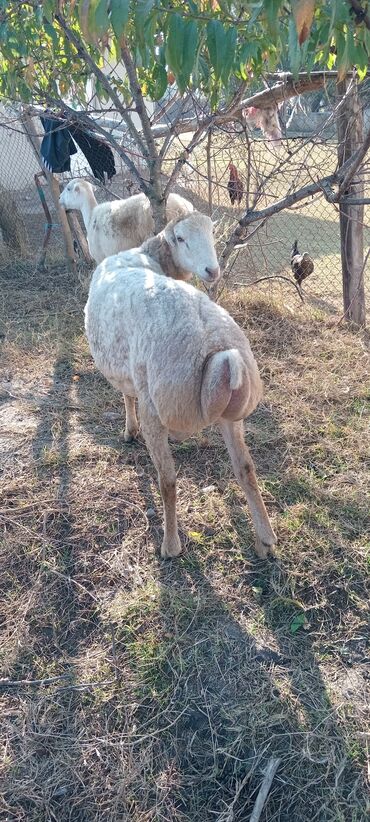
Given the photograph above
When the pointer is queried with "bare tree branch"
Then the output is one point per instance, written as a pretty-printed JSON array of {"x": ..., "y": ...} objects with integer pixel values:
[
  {"x": 139, "y": 100},
  {"x": 283, "y": 90},
  {"x": 155, "y": 192}
]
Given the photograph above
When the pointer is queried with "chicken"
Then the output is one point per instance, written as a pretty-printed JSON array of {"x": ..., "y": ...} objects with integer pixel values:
[
  {"x": 301, "y": 264},
  {"x": 235, "y": 186},
  {"x": 267, "y": 119}
]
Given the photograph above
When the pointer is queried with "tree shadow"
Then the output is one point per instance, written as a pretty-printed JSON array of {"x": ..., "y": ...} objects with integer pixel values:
[
  {"x": 44, "y": 749},
  {"x": 214, "y": 701}
]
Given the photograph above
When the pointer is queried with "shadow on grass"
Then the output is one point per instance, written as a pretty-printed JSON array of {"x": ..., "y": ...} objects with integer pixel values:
[
  {"x": 41, "y": 728},
  {"x": 224, "y": 682},
  {"x": 212, "y": 679}
]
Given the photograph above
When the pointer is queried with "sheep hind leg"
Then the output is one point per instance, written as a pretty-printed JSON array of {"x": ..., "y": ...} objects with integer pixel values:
[
  {"x": 156, "y": 438},
  {"x": 132, "y": 425},
  {"x": 233, "y": 434}
]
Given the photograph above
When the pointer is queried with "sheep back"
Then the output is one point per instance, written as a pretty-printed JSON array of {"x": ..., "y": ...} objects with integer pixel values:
[
  {"x": 154, "y": 337},
  {"x": 120, "y": 225}
]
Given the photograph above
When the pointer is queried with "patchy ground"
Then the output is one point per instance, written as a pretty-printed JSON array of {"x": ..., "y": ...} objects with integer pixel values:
[{"x": 168, "y": 686}]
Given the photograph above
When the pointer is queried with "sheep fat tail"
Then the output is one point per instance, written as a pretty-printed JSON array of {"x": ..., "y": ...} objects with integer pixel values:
[{"x": 225, "y": 386}]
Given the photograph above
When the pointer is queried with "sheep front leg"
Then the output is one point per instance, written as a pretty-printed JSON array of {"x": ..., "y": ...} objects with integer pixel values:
[
  {"x": 233, "y": 434},
  {"x": 156, "y": 438},
  {"x": 132, "y": 425}
]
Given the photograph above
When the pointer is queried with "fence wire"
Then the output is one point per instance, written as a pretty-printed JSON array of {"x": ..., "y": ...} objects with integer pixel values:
[{"x": 267, "y": 174}]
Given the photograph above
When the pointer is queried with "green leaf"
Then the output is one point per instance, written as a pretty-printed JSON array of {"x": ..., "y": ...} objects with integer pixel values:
[
  {"x": 297, "y": 622},
  {"x": 119, "y": 14},
  {"x": 216, "y": 44},
  {"x": 203, "y": 70},
  {"x": 343, "y": 61},
  {"x": 231, "y": 38},
  {"x": 142, "y": 12},
  {"x": 162, "y": 56},
  {"x": 50, "y": 30},
  {"x": 272, "y": 8},
  {"x": 215, "y": 96},
  {"x": 160, "y": 81},
  {"x": 39, "y": 16},
  {"x": 175, "y": 42},
  {"x": 294, "y": 50},
  {"x": 181, "y": 49},
  {"x": 4, "y": 32},
  {"x": 101, "y": 91},
  {"x": 189, "y": 48},
  {"x": 48, "y": 8},
  {"x": 249, "y": 51},
  {"x": 100, "y": 17}
]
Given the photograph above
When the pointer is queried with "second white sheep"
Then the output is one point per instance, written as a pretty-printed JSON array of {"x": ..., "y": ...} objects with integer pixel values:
[{"x": 116, "y": 225}]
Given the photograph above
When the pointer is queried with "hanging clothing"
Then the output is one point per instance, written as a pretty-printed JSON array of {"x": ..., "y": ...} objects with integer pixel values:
[
  {"x": 58, "y": 146},
  {"x": 98, "y": 153}
]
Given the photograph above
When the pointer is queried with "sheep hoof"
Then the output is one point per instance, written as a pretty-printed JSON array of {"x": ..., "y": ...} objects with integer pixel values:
[
  {"x": 264, "y": 548},
  {"x": 171, "y": 548},
  {"x": 130, "y": 436}
]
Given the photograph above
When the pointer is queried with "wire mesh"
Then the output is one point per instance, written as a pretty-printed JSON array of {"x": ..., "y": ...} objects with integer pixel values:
[{"x": 267, "y": 174}]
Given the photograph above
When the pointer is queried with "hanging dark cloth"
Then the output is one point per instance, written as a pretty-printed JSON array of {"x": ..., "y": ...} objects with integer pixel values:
[
  {"x": 98, "y": 153},
  {"x": 57, "y": 147}
]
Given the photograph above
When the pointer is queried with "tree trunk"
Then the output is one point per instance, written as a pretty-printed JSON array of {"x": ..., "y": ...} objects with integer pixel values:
[
  {"x": 209, "y": 172},
  {"x": 155, "y": 194},
  {"x": 350, "y": 137}
]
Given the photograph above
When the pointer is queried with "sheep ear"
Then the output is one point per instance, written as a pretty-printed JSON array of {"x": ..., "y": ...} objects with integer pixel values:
[
  {"x": 171, "y": 236},
  {"x": 77, "y": 188}
]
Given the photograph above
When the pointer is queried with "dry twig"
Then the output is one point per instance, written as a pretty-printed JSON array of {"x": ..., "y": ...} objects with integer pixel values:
[{"x": 271, "y": 769}]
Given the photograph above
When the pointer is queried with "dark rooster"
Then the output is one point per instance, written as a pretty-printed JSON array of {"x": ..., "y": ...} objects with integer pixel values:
[
  {"x": 301, "y": 264},
  {"x": 235, "y": 186}
]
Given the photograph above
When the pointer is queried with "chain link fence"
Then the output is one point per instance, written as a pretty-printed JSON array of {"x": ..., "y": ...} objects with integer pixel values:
[{"x": 267, "y": 174}]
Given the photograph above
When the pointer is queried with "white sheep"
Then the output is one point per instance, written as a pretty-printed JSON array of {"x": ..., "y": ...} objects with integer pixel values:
[
  {"x": 167, "y": 252},
  {"x": 116, "y": 225},
  {"x": 182, "y": 356}
]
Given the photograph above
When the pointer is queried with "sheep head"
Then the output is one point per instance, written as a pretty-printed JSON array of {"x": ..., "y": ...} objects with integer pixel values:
[
  {"x": 192, "y": 243},
  {"x": 75, "y": 194}
]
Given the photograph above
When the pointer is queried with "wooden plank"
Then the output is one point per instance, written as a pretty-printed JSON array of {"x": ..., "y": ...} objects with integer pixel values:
[
  {"x": 34, "y": 139},
  {"x": 351, "y": 215}
]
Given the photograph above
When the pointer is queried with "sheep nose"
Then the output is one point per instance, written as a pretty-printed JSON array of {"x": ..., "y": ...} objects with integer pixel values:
[{"x": 213, "y": 273}]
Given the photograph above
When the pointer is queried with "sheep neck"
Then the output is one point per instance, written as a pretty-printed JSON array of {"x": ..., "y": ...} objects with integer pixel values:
[
  {"x": 160, "y": 251},
  {"x": 88, "y": 207}
]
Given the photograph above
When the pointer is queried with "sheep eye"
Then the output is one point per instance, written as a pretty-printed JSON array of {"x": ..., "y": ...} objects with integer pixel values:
[{"x": 180, "y": 240}]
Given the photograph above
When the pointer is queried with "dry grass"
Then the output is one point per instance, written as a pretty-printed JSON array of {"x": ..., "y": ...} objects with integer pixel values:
[{"x": 174, "y": 681}]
